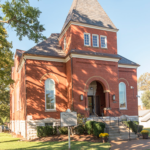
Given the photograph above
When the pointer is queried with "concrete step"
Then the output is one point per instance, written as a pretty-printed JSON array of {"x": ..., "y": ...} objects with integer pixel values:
[{"x": 121, "y": 134}]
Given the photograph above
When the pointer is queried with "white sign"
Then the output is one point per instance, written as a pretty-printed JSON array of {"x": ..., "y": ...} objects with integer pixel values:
[{"x": 68, "y": 119}]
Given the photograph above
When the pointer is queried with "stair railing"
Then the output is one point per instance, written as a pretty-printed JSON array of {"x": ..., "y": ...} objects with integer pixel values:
[{"x": 130, "y": 128}]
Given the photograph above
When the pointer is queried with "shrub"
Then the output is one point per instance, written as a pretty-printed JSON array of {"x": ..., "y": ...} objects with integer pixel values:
[
  {"x": 63, "y": 130},
  {"x": 98, "y": 128},
  {"x": 80, "y": 129},
  {"x": 45, "y": 131},
  {"x": 133, "y": 125},
  {"x": 89, "y": 127},
  {"x": 54, "y": 130}
]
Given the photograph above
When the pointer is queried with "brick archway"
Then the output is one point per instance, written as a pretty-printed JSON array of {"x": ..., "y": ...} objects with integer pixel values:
[
  {"x": 98, "y": 79},
  {"x": 106, "y": 89}
]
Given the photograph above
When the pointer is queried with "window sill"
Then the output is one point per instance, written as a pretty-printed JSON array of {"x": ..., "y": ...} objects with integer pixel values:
[
  {"x": 103, "y": 48},
  {"x": 87, "y": 45},
  {"x": 123, "y": 109},
  {"x": 50, "y": 110},
  {"x": 95, "y": 47}
]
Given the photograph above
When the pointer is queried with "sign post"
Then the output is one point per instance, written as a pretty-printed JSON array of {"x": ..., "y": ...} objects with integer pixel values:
[
  {"x": 69, "y": 138},
  {"x": 68, "y": 119}
]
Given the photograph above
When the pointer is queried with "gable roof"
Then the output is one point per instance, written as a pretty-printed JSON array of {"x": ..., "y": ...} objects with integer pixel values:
[
  {"x": 51, "y": 47},
  {"x": 88, "y": 12},
  {"x": 19, "y": 52}
]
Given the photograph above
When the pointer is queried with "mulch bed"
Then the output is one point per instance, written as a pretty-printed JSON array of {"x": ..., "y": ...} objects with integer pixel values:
[{"x": 61, "y": 138}]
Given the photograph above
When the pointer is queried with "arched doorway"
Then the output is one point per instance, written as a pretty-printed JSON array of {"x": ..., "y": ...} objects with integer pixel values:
[{"x": 96, "y": 99}]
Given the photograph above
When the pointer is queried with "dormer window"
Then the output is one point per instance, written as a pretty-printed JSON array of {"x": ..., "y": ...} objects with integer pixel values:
[
  {"x": 95, "y": 40},
  {"x": 65, "y": 43},
  {"x": 103, "y": 41},
  {"x": 87, "y": 39}
]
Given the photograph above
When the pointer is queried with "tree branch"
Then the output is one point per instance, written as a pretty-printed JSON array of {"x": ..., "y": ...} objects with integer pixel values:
[{"x": 4, "y": 21}]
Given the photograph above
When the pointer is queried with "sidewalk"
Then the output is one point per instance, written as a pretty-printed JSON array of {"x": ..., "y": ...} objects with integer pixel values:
[{"x": 139, "y": 144}]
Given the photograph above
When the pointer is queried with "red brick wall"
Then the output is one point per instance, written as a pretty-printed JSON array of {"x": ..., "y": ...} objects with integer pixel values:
[
  {"x": 75, "y": 39},
  {"x": 36, "y": 89},
  {"x": 83, "y": 70},
  {"x": 129, "y": 77}
]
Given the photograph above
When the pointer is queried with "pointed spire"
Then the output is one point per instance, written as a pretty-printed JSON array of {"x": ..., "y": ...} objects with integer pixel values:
[{"x": 88, "y": 12}]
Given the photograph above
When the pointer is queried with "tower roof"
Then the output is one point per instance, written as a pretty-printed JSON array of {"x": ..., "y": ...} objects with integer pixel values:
[{"x": 88, "y": 12}]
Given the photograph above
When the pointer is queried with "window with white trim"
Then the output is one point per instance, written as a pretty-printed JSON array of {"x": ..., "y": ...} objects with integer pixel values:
[
  {"x": 95, "y": 40},
  {"x": 65, "y": 43},
  {"x": 103, "y": 41},
  {"x": 87, "y": 39},
  {"x": 18, "y": 98},
  {"x": 122, "y": 95},
  {"x": 50, "y": 95}
]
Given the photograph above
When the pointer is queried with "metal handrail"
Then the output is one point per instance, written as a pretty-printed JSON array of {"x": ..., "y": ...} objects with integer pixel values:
[{"x": 129, "y": 126}]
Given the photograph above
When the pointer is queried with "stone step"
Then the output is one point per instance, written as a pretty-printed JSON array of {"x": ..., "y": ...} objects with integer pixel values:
[{"x": 121, "y": 134}]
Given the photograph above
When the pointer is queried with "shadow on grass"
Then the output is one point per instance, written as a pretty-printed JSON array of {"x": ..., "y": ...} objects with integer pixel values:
[{"x": 64, "y": 146}]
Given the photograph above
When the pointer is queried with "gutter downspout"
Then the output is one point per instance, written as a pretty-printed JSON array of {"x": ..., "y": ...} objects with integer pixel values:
[{"x": 72, "y": 107}]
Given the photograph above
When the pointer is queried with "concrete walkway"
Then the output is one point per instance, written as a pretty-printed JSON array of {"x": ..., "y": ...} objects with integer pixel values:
[{"x": 140, "y": 144}]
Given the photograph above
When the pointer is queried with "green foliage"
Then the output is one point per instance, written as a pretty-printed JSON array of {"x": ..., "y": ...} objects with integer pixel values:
[
  {"x": 144, "y": 82},
  {"x": 80, "y": 129},
  {"x": 98, "y": 127},
  {"x": 81, "y": 119},
  {"x": 6, "y": 62},
  {"x": 46, "y": 131},
  {"x": 89, "y": 127},
  {"x": 23, "y": 18},
  {"x": 146, "y": 99},
  {"x": 95, "y": 128},
  {"x": 3, "y": 120},
  {"x": 63, "y": 130},
  {"x": 133, "y": 125}
]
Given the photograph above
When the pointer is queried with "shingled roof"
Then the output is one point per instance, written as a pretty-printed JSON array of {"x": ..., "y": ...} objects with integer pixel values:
[
  {"x": 88, "y": 12},
  {"x": 51, "y": 47}
]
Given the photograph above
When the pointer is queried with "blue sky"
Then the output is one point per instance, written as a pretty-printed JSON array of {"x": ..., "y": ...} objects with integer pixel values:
[{"x": 131, "y": 17}]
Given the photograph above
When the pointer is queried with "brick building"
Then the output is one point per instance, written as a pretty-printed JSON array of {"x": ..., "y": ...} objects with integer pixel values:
[{"x": 79, "y": 69}]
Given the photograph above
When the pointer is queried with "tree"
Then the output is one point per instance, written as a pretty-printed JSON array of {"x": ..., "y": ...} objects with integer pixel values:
[
  {"x": 144, "y": 82},
  {"x": 23, "y": 18},
  {"x": 146, "y": 99},
  {"x": 6, "y": 63}
]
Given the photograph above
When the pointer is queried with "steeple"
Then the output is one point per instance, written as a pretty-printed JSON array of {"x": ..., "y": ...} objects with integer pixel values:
[{"x": 88, "y": 12}]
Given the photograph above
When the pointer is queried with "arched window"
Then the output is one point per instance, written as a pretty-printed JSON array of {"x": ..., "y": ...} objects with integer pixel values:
[
  {"x": 122, "y": 96},
  {"x": 50, "y": 94}
]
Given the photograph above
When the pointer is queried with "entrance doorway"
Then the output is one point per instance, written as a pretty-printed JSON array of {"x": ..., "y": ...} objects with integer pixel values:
[{"x": 96, "y": 99}]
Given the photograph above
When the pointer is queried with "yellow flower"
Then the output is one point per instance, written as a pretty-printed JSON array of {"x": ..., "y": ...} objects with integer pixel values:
[
  {"x": 103, "y": 135},
  {"x": 145, "y": 132}
]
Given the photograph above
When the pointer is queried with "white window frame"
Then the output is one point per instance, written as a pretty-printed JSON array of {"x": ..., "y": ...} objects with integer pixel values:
[
  {"x": 105, "y": 41},
  {"x": 125, "y": 108},
  {"x": 97, "y": 40},
  {"x": 65, "y": 43},
  {"x": 89, "y": 39},
  {"x": 54, "y": 97}
]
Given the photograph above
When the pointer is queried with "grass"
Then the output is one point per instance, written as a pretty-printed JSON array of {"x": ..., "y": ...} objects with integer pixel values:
[
  {"x": 147, "y": 129},
  {"x": 8, "y": 142}
]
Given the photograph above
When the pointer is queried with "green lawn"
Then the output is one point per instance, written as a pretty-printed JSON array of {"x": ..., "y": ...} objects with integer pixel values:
[
  {"x": 7, "y": 142},
  {"x": 148, "y": 130}
]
